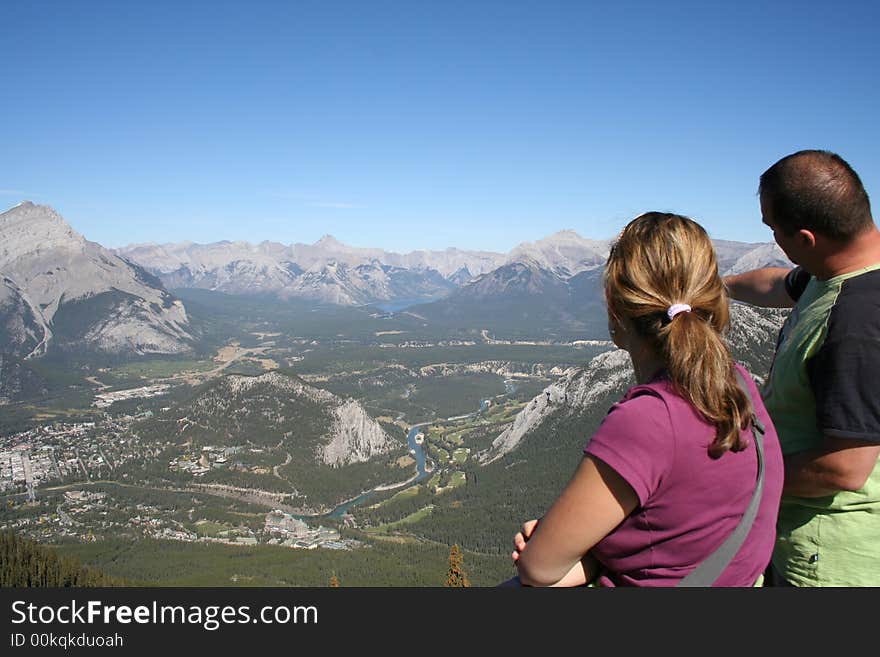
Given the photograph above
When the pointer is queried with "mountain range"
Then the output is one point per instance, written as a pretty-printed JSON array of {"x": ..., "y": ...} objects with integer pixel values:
[
  {"x": 331, "y": 272},
  {"x": 61, "y": 291}
]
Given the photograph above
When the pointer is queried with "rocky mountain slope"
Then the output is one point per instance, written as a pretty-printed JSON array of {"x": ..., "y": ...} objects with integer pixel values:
[
  {"x": 564, "y": 253},
  {"x": 526, "y": 298},
  {"x": 575, "y": 390},
  {"x": 343, "y": 284},
  {"x": 608, "y": 375},
  {"x": 275, "y": 409},
  {"x": 60, "y": 290},
  {"x": 763, "y": 255}
]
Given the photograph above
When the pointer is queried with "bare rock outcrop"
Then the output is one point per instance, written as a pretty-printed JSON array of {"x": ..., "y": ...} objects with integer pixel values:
[
  {"x": 354, "y": 436},
  {"x": 47, "y": 266}
]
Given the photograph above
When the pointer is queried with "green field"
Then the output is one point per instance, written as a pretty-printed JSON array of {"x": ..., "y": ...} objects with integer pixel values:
[
  {"x": 416, "y": 516},
  {"x": 504, "y": 412},
  {"x": 406, "y": 493},
  {"x": 438, "y": 453},
  {"x": 208, "y": 528}
]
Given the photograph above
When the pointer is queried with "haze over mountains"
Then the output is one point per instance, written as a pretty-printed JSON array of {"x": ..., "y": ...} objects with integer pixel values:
[
  {"x": 58, "y": 289},
  {"x": 327, "y": 271},
  {"x": 331, "y": 272},
  {"x": 538, "y": 286}
]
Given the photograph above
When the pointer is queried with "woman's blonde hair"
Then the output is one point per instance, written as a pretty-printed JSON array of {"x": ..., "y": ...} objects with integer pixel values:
[{"x": 663, "y": 259}]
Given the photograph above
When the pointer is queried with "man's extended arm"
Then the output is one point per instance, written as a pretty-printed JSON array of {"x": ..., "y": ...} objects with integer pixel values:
[
  {"x": 840, "y": 464},
  {"x": 760, "y": 287}
]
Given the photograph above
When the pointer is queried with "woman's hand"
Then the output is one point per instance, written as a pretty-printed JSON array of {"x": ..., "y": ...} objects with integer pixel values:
[
  {"x": 581, "y": 573},
  {"x": 519, "y": 540},
  {"x": 595, "y": 501}
]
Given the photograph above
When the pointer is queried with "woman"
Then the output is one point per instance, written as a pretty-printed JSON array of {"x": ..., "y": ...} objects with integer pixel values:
[{"x": 671, "y": 469}]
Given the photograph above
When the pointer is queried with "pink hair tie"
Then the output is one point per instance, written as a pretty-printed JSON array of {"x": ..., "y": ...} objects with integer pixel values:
[{"x": 676, "y": 308}]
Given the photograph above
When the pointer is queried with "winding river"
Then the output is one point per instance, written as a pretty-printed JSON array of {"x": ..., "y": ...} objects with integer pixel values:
[{"x": 418, "y": 452}]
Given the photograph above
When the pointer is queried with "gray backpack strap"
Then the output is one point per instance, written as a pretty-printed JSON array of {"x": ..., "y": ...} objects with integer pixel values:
[{"x": 711, "y": 568}]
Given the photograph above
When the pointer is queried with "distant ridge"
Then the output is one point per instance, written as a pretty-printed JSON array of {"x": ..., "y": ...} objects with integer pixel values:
[{"x": 329, "y": 271}]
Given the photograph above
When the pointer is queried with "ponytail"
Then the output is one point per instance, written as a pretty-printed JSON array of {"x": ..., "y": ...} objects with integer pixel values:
[{"x": 702, "y": 371}]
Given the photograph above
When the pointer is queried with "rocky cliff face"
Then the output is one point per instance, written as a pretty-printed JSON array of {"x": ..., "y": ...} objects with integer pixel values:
[
  {"x": 577, "y": 389},
  {"x": 48, "y": 270},
  {"x": 752, "y": 336},
  {"x": 354, "y": 436},
  {"x": 22, "y": 327}
]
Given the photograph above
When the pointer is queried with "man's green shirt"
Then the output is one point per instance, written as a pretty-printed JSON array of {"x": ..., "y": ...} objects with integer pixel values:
[{"x": 825, "y": 380}]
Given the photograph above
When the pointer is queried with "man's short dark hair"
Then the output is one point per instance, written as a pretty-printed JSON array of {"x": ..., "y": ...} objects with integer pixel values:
[{"x": 819, "y": 191}]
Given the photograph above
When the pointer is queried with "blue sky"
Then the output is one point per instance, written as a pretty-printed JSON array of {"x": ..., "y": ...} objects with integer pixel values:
[{"x": 422, "y": 124}]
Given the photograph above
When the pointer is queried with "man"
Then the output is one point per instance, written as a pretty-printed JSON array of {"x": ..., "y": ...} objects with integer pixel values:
[{"x": 823, "y": 391}]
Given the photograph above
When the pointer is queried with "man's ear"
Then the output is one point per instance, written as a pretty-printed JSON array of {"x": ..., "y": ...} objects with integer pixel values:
[{"x": 806, "y": 238}]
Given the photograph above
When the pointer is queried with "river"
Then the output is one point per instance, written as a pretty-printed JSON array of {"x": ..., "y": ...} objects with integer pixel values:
[{"x": 418, "y": 452}]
